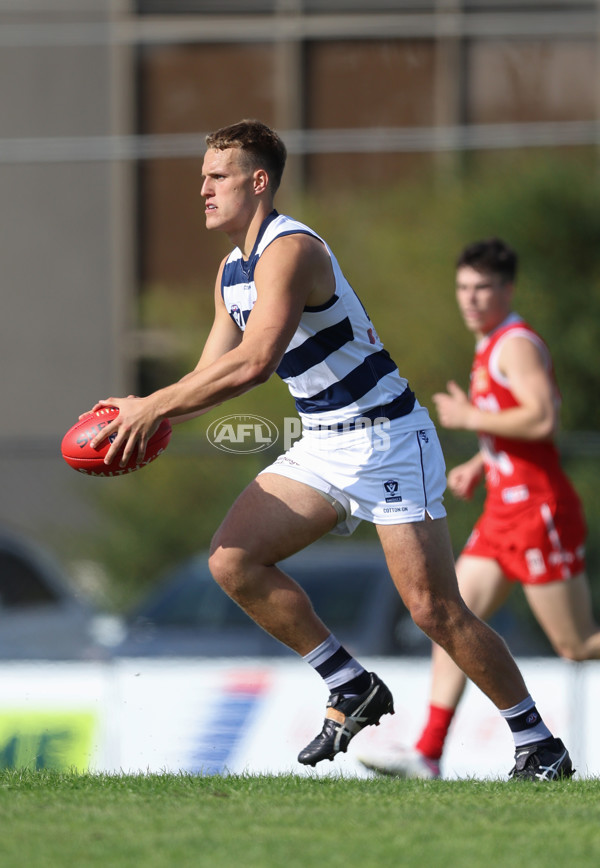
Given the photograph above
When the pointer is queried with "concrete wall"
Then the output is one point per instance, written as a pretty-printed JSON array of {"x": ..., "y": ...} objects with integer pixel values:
[{"x": 62, "y": 316}]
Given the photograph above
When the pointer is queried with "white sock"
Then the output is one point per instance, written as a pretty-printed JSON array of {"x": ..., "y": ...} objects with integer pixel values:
[
  {"x": 525, "y": 723},
  {"x": 336, "y": 667}
]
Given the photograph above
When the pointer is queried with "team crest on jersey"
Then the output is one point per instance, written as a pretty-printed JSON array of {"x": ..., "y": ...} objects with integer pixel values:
[
  {"x": 391, "y": 491},
  {"x": 480, "y": 381},
  {"x": 236, "y": 315}
]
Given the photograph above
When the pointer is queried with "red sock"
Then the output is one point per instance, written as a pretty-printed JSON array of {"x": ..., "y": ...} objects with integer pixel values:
[{"x": 431, "y": 743}]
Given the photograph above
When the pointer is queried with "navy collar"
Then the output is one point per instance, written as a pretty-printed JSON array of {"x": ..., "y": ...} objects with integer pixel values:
[{"x": 247, "y": 265}]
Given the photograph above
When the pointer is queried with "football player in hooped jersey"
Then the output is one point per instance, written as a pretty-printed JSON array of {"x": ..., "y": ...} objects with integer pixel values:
[
  {"x": 532, "y": 528},
  {"x": 283, "y": 305}
]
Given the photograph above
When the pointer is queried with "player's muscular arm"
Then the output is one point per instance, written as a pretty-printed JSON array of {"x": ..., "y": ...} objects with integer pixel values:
[
  {"x": 536, "y": 417},
  {"x": 288, "y": 276},
  {"x": 223, "y": 337}
]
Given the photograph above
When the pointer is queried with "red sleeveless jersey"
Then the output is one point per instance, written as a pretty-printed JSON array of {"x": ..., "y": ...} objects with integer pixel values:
[
  {"x": 515, "y": 470},
  {"x": 533, "y": 521}
]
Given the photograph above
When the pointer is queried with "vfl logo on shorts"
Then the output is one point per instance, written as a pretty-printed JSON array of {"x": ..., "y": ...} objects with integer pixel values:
[{"x": 391, "y": 491}]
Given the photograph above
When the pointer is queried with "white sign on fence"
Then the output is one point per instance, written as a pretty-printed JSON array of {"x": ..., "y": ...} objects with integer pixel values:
[{"x": 254, "y": 716}]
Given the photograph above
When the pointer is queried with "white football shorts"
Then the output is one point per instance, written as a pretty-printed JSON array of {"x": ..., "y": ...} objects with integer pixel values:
[{"x": 392, "y": 473}]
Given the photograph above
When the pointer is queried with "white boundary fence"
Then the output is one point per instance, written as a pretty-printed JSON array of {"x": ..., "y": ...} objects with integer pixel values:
[{"x": 253, "y": 716}]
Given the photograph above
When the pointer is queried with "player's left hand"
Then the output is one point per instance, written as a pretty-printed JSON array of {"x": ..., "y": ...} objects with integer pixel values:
[
  {"x": 464, "y": 478},
  {"x": 453, "y": 407},
  {"x": 130, "y": 430}
]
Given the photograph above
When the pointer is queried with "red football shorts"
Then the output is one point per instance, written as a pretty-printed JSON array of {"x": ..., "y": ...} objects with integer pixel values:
[{"x": 543, "y": 545}]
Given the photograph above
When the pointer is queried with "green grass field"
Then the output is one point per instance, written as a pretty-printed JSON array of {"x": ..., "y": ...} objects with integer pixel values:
[{"x": 56, "y": 819}]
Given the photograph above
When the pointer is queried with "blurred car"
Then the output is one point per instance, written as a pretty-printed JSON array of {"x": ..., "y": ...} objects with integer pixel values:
[
  {"x": 40, "y": 615},
  {"x": 348, "y": 583},
  {"x": 188, "y": 615}
]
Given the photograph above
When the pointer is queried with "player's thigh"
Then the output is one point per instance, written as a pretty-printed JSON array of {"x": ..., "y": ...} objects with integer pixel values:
[
  {"x": 273, "y": 518},
  {"x": 482, "y": 584},
  {"x": 420, "y": 560},
  {"x": 563, "y": 609}
]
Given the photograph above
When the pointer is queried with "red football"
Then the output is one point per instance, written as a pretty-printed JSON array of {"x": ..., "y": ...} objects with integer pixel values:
[{"x": 78, "y": 454}]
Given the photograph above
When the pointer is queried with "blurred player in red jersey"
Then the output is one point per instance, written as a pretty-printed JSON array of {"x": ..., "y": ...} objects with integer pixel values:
[{"x": 532, "y": 529}]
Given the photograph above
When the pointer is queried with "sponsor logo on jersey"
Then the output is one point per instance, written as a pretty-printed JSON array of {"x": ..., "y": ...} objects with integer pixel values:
[{"x": 516, "y": 494}]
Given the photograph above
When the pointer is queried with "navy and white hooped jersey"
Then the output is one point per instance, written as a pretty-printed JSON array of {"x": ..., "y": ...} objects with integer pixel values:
[{"x": 335, "y": 366}]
